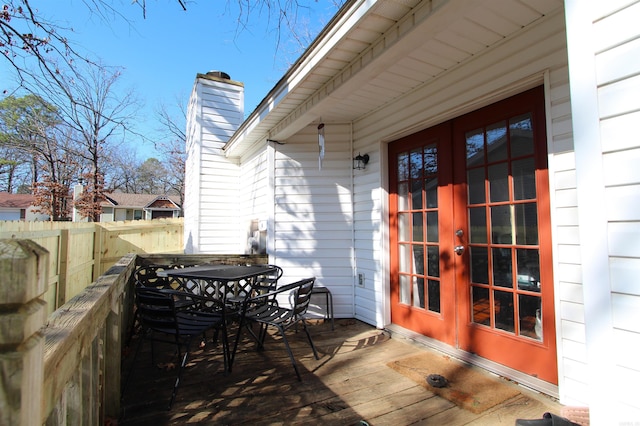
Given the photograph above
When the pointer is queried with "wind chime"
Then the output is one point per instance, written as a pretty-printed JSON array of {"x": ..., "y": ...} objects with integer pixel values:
[{"x": 320, "y": 144}]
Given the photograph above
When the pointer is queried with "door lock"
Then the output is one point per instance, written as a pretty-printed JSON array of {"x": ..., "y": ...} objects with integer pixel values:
[{"x": 459, "y": 250}]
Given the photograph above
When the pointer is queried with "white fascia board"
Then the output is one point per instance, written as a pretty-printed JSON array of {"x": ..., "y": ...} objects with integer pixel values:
[{"x": 323, "y": 44}]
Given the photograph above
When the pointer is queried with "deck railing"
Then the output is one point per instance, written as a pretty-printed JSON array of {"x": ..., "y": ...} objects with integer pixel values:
[{"x": 65, "y": 368}]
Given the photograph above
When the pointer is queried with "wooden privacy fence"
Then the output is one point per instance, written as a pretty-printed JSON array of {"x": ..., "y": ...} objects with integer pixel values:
[
  {"x": 79, "y": 252},
  {"x": 65, "y": 369}
]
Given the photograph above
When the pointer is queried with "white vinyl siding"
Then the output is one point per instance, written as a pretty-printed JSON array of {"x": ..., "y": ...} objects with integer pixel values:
[
  {"x": 616, "y": 37},
  {"x": 212, "y": 223},
  {"x": 313, "y": 213}
]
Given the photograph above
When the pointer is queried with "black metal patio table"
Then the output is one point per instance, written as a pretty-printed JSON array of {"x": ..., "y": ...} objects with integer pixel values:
[{"x": 230, "y": 283}]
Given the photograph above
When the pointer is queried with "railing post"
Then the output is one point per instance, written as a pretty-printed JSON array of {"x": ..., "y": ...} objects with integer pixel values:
[{"x": 23, "y": 280}]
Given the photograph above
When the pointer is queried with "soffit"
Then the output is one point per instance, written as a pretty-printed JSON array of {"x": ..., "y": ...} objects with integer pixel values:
[{"x": 376, "y": 51}]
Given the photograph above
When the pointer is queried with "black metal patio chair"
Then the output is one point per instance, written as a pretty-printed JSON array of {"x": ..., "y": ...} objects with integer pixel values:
[
  {"x": 177, "y": 317},
  {"x": 264, "y": 310},
  {"x": 268, "y": 282}
]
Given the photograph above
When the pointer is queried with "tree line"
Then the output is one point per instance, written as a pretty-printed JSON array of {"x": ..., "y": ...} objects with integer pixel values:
[{"x": 45, "y": 153}]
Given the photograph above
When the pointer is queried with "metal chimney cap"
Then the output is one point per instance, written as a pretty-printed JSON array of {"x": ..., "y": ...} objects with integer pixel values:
[{"x": 219, "y": 74}]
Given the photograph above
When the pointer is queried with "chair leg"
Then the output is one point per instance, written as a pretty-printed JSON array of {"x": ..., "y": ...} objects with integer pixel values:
[
  {"x": 232, "y": 355},
  {"x": 286, "y": 344},
  {"x": 181, "y": 365},
  {"x": 225, "y": 350},
  {"x": 306, "y": 330}
]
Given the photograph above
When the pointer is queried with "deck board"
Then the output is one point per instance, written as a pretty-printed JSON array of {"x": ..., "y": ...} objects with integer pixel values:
[{"x": 349, "y": 383}]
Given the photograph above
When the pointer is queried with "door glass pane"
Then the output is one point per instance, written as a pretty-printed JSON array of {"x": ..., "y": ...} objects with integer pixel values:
[
  {"x": 431, "y": 192},
  {"x": 418, "y": 292},
  {"x": 481, "y": 305},
  {"x": 499, "y": 182},
  {"x": 432, "y": 227},
  {"x": 530, "y": 316},
  {"x": 403, "y": 227},
  {"x": 502, "y": 274},
  {"x": 416, "y": 194},
  {"x": 475, "y": 186},
  {"x": 430, "y": 160},
  {"x": 433, "y": 261},
  {"x": 403, "y": 196},
  {"x": 503, "y": 303},
  {"x": 497, "y": 142},
  {"x": 478, "y": 225},
  {"x": 526, "y": 223},
  {"x": 501, "y": 231},
  {"x": 528, "y": 267},
  {"x": 418, "y": 259},
  {"x": 479, "y": 265},
  {"x": 403, "y": 166},
  {"x": 405, "y": 289},
  {"x": 434, "y": 295},
  {"x": 475, "y": 147},
  {"x": 521, "y": 135},
  {"x": 416, "y": 163},
  {"x": 524, "y": 179},
  {"x": 418, "y": 230},
  {"x": 404, "y": 256}
]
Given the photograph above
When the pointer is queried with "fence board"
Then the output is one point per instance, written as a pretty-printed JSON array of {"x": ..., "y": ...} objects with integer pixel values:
[{"x": 79, "y": 252}]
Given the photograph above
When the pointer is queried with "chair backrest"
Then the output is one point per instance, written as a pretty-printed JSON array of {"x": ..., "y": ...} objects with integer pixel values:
[
  {"x": 302, "y": 296},
  {"x": 270, "y": 280},
  {"x": 156, "y": 310},
  {"x": 151, "y": 276}
]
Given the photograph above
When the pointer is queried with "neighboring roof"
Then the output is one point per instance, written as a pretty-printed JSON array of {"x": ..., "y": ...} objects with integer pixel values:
[
  {"x": 16, "y": 201},
  {"x": 377, "y": 51},
  {"x": 141, "y": 201}
]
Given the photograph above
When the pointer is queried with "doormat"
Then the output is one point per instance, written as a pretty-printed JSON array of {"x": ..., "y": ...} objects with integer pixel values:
[{"x": 470, "y": 389}]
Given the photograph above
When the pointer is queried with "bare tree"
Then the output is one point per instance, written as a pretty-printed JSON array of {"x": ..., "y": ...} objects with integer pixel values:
[
  {"x": 174, "y": 147},
  {"x": 98, "y": 117}
]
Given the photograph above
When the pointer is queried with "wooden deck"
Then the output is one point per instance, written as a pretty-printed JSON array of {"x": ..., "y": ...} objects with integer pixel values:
[{"x": 350, "y": 383}]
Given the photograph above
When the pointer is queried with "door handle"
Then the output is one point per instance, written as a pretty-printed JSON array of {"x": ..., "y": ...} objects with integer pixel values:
[{"x": 459, "y": 250}]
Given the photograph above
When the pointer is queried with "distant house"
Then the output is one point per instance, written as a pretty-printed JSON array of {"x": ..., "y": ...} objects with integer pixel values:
[
  {"x": 120, "y": 206},
  {"x": 19, "y": 207}
]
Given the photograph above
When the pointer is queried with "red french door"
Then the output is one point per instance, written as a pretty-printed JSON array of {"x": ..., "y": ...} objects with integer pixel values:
[{"x": 470, "y": 235}]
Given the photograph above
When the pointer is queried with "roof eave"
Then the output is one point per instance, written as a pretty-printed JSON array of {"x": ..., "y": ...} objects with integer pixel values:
[{"x": 254, "y": 129}]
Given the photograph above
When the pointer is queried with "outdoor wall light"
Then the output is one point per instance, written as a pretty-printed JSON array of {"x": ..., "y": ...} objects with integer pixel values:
[{"x": 360, "y": 161}]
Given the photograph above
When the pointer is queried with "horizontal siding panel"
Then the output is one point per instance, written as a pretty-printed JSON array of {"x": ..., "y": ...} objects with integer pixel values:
[
  {"x": 619, "y": 98},
  {"x": 313, "y": 190},
  {"x": 624, "y": 275},
  {"x": 615, "y": 132},
  {"x": 572, "y": 311},
  {"x": 573, "y": 331},
  {"x": 628, "y": 344},
  {"x": 608, "y": 32},
  {"x": 312, "y": 216},
  {"x": 624, "y": 239},
  {"x": 620, "y": 62},
  {"x": 566, "y": 216},
  {"x": 626, "y": 312},
  {"x": 338, "y": 247},
  {"x": 623, "y": 203},
  {"x": 576, "y": 370},
  {"x": 565, "y": 179},
  {"x": 565, "y": 162},
  {"x": 575, "y": 351},
  {"x": 569, "y": 274},
  {"x": 621, "y": 168},
  {"x": 337, "y": 228},
  {"x": 566, "y": 198},
  {"x": 569, "y": 235}
]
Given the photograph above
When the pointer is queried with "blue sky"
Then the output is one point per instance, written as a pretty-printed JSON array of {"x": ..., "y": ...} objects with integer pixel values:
[{"x": 162, "y": 54}]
